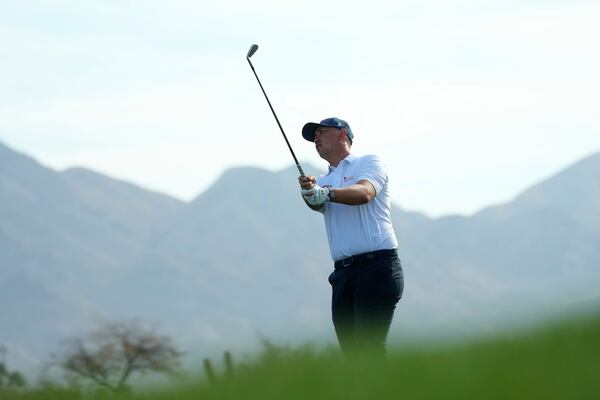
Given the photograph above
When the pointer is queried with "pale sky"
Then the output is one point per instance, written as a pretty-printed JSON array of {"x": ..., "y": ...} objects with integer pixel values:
[{"x": 467, "y": 102}]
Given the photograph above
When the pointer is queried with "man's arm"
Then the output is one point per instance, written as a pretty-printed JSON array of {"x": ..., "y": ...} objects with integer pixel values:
[
  {"x": 371, "y": 180},
  {"x": 360, "y": 193}
]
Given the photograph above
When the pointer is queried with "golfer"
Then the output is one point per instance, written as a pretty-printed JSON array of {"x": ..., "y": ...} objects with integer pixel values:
[{"x": 367, "y": 279}]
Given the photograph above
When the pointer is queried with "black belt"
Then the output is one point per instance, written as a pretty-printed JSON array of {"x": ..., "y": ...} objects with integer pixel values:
[{"x": 348, "y": 261}]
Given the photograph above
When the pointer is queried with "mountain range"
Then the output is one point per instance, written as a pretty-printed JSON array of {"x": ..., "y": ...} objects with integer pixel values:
[{"x": 247, "y": 259}]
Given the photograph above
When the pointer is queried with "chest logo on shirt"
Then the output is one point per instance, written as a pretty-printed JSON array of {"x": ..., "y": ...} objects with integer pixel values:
[{"x": 348, "y": 178}]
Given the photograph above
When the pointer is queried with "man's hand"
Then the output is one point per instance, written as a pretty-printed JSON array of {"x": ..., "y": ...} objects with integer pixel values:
[
  {"x": 316, "y": 195},
  {"x": 307, "y": 182}
]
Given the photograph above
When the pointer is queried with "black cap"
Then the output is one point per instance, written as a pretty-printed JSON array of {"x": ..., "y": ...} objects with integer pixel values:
[{"x": 308, "y": 132}]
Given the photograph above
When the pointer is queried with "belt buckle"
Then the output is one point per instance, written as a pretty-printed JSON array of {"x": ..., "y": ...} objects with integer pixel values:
[{"x": 346, "y": 262}]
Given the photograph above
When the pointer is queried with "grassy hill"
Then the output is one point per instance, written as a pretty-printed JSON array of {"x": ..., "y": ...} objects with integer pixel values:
[{"x": 561, "y": 361}]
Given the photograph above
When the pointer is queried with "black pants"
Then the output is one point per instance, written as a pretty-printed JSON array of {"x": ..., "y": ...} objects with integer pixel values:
[{"x": 364, "y": 297}]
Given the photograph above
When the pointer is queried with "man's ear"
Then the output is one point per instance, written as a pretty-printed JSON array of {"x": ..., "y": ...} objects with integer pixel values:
[{"x": 345, "y": 134}]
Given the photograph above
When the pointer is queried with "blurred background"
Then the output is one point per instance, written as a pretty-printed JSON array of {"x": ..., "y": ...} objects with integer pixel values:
[{"x": 142, "y": 175}]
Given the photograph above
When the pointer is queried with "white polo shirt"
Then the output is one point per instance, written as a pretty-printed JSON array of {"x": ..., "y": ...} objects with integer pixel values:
[{"x": 354, "y": 230}]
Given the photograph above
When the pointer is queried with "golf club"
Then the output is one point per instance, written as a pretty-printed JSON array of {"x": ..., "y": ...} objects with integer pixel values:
[{"x": 251, "y": 51}]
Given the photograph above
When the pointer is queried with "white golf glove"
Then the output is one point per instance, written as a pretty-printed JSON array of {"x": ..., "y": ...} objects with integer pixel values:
[{"x": 316, "y": 196}]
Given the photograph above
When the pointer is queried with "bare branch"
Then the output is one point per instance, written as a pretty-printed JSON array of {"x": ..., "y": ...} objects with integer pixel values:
[{"x": 112, "y": 353}]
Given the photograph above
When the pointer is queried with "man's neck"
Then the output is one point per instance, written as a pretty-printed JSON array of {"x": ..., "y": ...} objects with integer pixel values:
[{"x": 335, "y": 160}]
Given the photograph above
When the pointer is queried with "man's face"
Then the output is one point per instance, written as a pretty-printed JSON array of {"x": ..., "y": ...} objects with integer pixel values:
[{"x": 326, "y": 139}]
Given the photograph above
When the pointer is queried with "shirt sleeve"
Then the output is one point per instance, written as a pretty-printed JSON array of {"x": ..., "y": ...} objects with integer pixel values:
[{"x": 373, "y": 171}]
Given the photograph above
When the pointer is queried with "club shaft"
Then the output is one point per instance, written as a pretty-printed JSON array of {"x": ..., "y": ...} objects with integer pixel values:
[{"x": 277, "y": 119}]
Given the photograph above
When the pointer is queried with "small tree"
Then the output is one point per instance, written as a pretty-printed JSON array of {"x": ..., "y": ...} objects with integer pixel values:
[
  {"x": 115, "y": 351},
  {"x": 9, "y": 379}
]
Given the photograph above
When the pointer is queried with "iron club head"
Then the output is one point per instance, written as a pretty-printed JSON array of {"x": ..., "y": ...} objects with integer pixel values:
[{"x": 252, "y": 50}]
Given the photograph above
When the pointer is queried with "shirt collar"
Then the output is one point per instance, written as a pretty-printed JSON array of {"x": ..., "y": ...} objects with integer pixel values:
[{"x": 350, "y": 158}]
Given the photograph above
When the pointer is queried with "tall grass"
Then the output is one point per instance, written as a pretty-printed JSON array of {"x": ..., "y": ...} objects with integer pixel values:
[{"x": 558, "y": 362}]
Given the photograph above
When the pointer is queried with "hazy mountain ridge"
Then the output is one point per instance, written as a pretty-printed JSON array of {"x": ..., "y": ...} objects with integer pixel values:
[
  {"x": 123, "y": 204},
  {"x": 514, "y": 259},
  {"x": 247, "y": 256}
]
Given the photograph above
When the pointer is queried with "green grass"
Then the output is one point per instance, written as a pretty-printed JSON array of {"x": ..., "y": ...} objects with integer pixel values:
[{"x": 558, "y": 362}]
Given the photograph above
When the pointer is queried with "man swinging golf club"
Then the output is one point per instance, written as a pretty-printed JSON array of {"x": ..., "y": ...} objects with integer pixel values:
[{"x": 367, "y": 280}]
